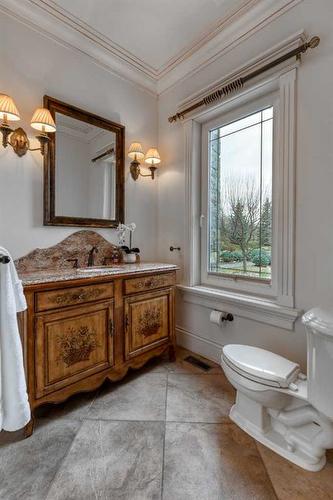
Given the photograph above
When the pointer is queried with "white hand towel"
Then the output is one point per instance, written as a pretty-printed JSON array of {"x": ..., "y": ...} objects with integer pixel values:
[{"x": 14, "y": 403}]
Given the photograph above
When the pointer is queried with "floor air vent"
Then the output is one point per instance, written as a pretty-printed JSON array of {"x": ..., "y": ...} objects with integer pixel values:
[{"x": 198, "y": 363}]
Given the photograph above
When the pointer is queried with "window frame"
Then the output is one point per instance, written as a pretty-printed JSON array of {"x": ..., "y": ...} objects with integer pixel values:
[
  {"x": 277, "y": 307},
  {"x": 220, "y": 280}
]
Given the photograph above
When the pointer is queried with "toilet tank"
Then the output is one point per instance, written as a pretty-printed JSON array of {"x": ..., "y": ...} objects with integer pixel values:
[{"x": 319, "y": 327}]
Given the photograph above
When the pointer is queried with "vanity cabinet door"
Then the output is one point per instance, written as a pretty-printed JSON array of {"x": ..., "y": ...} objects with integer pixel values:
[
  {"x": 72, "y": 344},
  {"x": 148, "y": 321}
]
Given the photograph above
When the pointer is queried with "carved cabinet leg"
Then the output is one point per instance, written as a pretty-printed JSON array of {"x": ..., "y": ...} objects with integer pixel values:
[{"x": 29, "y": 428}]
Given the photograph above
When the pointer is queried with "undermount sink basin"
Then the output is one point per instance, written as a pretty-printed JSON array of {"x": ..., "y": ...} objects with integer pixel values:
[{"x": 97, "y": 269}]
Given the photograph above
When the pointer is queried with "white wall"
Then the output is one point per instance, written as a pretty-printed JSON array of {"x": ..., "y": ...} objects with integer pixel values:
[
  {"x": 31, "y": 66},
  {"x": 314, "y": 229}
]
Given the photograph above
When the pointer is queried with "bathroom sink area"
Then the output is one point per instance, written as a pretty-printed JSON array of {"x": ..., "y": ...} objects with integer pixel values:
[{"x": 98, "y": 269}]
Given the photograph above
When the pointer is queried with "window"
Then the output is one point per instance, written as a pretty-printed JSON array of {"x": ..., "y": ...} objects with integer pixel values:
[
  {"x": 240, "y": 177},
  {"x": 240, "y": 197}
]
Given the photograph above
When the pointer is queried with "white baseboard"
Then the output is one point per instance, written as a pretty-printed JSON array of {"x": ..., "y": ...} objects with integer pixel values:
[{"x": 206, "y": 348}]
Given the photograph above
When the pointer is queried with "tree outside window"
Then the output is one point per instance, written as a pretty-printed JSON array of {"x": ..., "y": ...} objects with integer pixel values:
[{"x": 240, "y": 197}]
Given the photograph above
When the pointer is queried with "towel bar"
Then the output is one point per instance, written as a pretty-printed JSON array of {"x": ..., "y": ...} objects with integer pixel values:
[{"x": 4, "y": 259}]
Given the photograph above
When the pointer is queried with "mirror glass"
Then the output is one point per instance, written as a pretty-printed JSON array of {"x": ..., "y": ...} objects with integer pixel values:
[{"x": 85, "y": 169}]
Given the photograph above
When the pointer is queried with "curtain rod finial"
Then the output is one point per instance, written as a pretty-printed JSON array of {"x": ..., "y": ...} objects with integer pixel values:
[
  {"x": 177, "y": 116},
  {"x": 314, "y": 42}
]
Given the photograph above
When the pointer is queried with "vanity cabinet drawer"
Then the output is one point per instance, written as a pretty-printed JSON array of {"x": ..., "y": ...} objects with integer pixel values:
[
  {"x": 146, "y": 283},
  {"x": 73, "y": 296}
]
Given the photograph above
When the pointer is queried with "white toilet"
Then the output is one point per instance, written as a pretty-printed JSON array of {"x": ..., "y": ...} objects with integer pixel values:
[{"x": 278, "y": 405}]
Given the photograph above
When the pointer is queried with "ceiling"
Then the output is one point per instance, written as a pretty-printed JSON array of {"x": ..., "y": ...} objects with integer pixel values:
[
  {"x": 154, "y": 31},
  {"x": 81, "y": 130},
  {"x": 153, "y": 43}
]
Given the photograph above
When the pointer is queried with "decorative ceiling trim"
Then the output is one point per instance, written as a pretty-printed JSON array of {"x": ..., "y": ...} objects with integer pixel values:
[
  {"x": 93, "y": 35},
  {"x": 260, "y": 15},
  {"x": 41, "y": 21},
  {"x": 211, "y": 32},
  {"x": 70, "y": 31}
]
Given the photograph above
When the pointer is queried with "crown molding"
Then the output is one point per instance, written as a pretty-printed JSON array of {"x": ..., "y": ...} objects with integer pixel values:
[
  {"x": 201, "y": 41},
  {"x": 56, "y": 23},
  {"x": 243, "y": 26},
  {"x": 67, "y": 32}
]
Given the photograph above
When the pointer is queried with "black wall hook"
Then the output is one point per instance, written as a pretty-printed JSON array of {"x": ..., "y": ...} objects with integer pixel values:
[{"x": 4, "y": 259}]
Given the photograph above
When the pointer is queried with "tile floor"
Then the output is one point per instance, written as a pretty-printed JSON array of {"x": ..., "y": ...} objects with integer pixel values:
[{"x": 162, "y": 432}]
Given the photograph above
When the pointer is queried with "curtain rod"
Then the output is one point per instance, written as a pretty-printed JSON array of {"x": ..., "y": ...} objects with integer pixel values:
[
  {"x": 106, "y": 153},
  {"x": 237, "y": 84}
]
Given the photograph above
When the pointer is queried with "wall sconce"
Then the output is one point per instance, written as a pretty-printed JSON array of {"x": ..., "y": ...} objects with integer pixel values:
[
  {"x": 18, "y": 139},
  {"x": 136, "y": 153}
]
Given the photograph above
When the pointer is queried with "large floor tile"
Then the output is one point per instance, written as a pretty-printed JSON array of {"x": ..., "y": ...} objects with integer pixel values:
[
  {"x": 75, "y": 408},
  {"x": 213, "y": 461},
  {"x": 292, "y": 482},
  {"x": 28, "y": 467},
  {"x": 198, "y": 398},
  {"x": 112, "y": 460},
  {"x": 138, "y": 397}
]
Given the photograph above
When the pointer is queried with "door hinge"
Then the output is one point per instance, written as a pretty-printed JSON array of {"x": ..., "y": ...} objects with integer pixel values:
[
  {"x": 111, "y": 328},
  {"x": 202, "y": 220},
  {"x": 126, "y": 321}
]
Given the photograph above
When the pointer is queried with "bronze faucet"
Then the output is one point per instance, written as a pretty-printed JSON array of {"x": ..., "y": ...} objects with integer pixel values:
[{"x": 91, "y": 256}]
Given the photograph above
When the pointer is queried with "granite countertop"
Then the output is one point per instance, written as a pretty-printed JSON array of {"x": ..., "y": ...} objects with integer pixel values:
[{"x": 49, "y": 275}]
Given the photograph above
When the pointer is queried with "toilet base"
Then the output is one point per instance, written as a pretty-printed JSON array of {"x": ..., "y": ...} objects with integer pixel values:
[{"x": 274, "y": 440}]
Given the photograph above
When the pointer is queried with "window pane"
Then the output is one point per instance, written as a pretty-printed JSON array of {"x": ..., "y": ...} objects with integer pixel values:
[
  {"x": 240, "y": 197},
  {"x": 237, "y": 125},
  {"x": 267, "y": 113}
]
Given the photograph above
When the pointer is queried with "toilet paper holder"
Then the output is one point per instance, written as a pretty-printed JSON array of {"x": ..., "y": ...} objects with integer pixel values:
[
  {"x": 219, "y": 317},
  {"x": 228, "y": 317}
]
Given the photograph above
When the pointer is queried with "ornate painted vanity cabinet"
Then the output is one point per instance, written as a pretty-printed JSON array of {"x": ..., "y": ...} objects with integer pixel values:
[{"x": 85, "y": 326}]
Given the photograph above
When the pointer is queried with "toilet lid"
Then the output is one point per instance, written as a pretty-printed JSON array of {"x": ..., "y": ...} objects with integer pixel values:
[{"x": 260, "y": 365}]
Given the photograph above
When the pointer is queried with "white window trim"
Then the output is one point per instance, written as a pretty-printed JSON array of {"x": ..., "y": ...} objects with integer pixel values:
[
  {"x": 250, "y": 307},
  {"x": 280, "y": 301}
]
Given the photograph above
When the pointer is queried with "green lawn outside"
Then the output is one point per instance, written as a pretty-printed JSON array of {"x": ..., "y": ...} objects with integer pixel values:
[{"x": 236, "y": 269}]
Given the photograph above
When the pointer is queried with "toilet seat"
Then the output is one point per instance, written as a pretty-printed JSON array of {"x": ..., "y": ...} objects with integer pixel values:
[{"x": 261, "y": 366}]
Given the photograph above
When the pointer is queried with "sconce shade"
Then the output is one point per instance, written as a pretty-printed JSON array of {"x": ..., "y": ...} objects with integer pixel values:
[
  {"x": 42, "y": 120},
  {"x": 8, "y": 110},
  {"x": 135, "y": 151},
  {"x": 152, "y": 156}
]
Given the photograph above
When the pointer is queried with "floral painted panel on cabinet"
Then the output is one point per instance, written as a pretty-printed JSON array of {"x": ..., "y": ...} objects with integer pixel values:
[{"x": 73, "y": 344}]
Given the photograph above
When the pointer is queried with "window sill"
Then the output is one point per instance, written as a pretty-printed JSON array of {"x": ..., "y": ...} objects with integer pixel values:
[{"x": 245, "y": 306}]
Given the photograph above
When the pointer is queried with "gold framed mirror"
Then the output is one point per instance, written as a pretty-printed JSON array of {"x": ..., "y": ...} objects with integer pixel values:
[{"x": 83, "y": 169}]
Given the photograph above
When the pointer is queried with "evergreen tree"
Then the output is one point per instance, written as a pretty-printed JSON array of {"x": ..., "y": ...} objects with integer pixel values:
[
  {"x": 215, "y": 201},
  {"x": 266, "y": 223}
]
